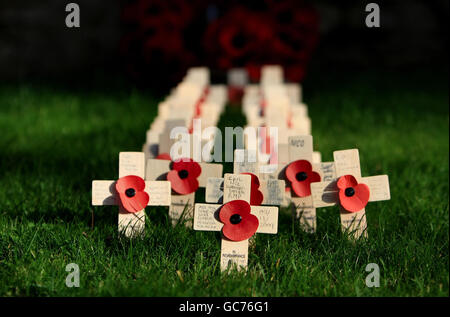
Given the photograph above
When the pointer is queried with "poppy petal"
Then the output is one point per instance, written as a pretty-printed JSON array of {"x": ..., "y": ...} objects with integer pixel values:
[
  {"x": 256, "y": 196},
  {"x": 240, "y": 207},
  {"x": 296, "y": 167},
  {"x": 182, "y": 186},
  {"x": 193, "y": 168},
  {"x": 136, "y": 203},
  {"x": 346, "y": 181},
  {"x": 130, "y": 181},
  {"x": 242, "y": 231},
  {"x": 356, "y": 202},
  {"x": 138, "y": 200},
  {"x": 188, "y": 183},
  {"x": 301, "y": 188},
  {"x": 245, "y": 228}
]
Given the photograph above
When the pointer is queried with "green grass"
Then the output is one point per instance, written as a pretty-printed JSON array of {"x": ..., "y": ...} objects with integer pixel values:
[{"x": 54, "y": 142}]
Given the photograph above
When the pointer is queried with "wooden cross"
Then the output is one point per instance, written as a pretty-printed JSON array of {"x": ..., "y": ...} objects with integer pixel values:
[
  {"x": 207, "y": 218},
  {"x": 327, "y": 193},
  {"x": 104, "y": 193},
  {"x": 181, "y": 204},
  {"x": 300, "y": 148}
]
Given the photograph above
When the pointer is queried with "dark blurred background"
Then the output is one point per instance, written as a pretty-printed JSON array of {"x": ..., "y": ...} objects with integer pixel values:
[{"x": 151, "y": 43}]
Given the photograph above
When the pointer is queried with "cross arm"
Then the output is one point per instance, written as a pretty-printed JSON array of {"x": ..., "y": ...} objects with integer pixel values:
[
  {"x": 206, "y": 218},
  {"x": 379, "y": 187},
  {"x": 104, "y": 193},
  {"x": 325, "y": 194},
  {"x": 272, "y": 190}
]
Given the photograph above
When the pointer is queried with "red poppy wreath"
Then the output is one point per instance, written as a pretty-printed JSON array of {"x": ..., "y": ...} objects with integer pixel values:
[
  {"x": 301, "y": 175},
  {"x": 183, "y": 176},
  {"x": 353, "y": 197},
  {"x": 132, "y": 196},
  {"x": 238, "y": 223}
]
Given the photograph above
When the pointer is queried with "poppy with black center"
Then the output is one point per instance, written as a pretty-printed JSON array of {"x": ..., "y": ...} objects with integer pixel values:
[
  {"x": 235, "y": 219},
  {"x": 131, "y": 193},
  {"x": 183, "y": 176},
  {"x": 238, "y": 222},
  {"x": 353, "y": 196},
  {"x": 301, "y": 175}
]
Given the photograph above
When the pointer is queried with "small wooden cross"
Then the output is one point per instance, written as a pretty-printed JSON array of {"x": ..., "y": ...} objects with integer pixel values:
[
  {"x": 104, "y": 193},
  {"x": 299, "y": 151},
  {"x": 207, "y": 217},
  {"x": 181, "y": 204},
  {"x": 362, "y": 189}
]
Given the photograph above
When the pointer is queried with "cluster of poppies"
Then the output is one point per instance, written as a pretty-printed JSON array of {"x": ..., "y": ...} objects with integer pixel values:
[
  {"x": 352, "y": 196},
  {"x": 239, "y": 223},
  {"x": 166, "y": 37},
  {"x": 183, "y": 179}
]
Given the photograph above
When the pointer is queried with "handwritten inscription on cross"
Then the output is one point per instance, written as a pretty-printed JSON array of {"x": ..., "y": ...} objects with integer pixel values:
[{"x": 245, "y": 162}]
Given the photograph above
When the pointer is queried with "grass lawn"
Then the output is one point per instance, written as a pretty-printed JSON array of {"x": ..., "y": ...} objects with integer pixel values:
[{"x": 54, "y": 142}]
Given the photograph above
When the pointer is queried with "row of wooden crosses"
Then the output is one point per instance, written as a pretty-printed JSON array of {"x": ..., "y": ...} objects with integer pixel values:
[{"x": 277, "y": 168}]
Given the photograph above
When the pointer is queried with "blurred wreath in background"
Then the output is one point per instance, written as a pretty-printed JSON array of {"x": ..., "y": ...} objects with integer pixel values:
[{"x": 162, "y": 38}]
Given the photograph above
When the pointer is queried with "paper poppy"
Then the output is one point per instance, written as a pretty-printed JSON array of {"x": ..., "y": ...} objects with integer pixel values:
[
  {"x": 183, "y": 176},
  {"x": 238, "y": 223},
  {"x": 352, "y": 196},
  {"x": 256, "y": 197},
  {"x": 301, "y": 175},
  {"x": 132, "y": 196}
]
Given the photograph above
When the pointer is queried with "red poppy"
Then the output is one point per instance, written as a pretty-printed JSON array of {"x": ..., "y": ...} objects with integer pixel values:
[
  {"x": 183, "y": 176},
  {"x": 256, "y": 197},
  {"x": 238, "y": 223},
  {"x": 132, "y": 196},
  {"x": 164, "y": 156},
  {"x": 352, "y": 196},
  {"x": 301, "y": 175}
]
